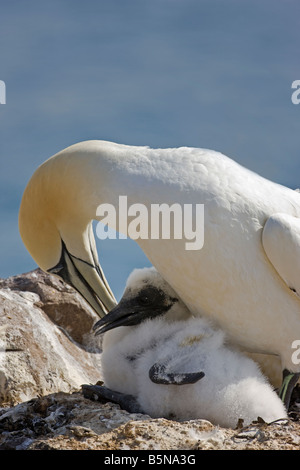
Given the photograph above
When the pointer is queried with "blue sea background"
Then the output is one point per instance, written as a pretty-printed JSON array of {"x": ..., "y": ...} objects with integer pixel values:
[{"x": 165, "y": 73}]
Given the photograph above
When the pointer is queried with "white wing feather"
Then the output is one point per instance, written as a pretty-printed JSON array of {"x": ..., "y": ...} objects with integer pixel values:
[{"x": 281, "y": 242}]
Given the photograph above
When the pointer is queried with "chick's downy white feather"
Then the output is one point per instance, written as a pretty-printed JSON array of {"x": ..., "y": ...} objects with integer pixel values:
[{"x": 232, "y": 388}]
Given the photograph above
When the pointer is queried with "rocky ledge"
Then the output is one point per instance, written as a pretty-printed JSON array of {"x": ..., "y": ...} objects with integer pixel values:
[{"x": 47, "y": 351}]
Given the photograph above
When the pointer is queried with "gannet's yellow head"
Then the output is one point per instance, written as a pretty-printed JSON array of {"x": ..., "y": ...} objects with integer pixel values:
[{"x": 55, "y": 223}]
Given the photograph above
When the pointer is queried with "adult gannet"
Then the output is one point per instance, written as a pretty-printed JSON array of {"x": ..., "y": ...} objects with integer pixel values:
[
  {"x": 246, "y": 276},
  {"x": 163, "y": 347}
]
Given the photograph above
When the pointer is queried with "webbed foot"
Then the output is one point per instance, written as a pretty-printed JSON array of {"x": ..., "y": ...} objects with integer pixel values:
[
  {"x": 289, "y": 380},
  {"x": 99, "y": 392},
  {"x": 158, "y": 375}
]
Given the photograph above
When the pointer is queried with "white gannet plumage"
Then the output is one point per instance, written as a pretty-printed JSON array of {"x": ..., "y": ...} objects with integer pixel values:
[
  {"x": 176, "y": 365},
  {"x": 244, "y": 277}
]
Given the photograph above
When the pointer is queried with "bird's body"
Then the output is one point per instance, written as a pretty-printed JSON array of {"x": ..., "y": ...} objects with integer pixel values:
[
  {"x": 234, "y": 279},
  {"x": 230, "y": 388}
]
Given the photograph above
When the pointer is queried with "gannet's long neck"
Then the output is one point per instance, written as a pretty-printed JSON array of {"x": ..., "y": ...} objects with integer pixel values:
[{"x": 62, "y": 199}]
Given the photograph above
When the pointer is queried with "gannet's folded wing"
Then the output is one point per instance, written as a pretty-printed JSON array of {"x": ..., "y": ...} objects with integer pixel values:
[{"x": 281, "y": 242}]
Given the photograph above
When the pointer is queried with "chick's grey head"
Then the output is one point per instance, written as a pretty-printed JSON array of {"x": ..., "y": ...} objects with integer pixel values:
[{"x": 147, "y": 295}]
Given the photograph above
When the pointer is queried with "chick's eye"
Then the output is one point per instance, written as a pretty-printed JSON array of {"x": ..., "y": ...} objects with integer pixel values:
[
  {"x": 145, "y": 300},
  {"x": 149, "y": 296}
]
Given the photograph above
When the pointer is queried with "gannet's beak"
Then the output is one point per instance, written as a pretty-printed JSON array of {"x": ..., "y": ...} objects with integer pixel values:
[{"x": 87, "y": 278}]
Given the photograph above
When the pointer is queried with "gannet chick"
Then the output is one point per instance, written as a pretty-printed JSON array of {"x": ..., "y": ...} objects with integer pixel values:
[{"x": 179, "y": 368}]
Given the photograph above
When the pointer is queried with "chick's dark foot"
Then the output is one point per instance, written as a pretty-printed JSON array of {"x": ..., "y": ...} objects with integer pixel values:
[{"x": 99, "y": 392}]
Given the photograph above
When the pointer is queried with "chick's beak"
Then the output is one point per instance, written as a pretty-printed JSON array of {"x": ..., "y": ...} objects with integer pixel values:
[{"x": 126, "y": 313}]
